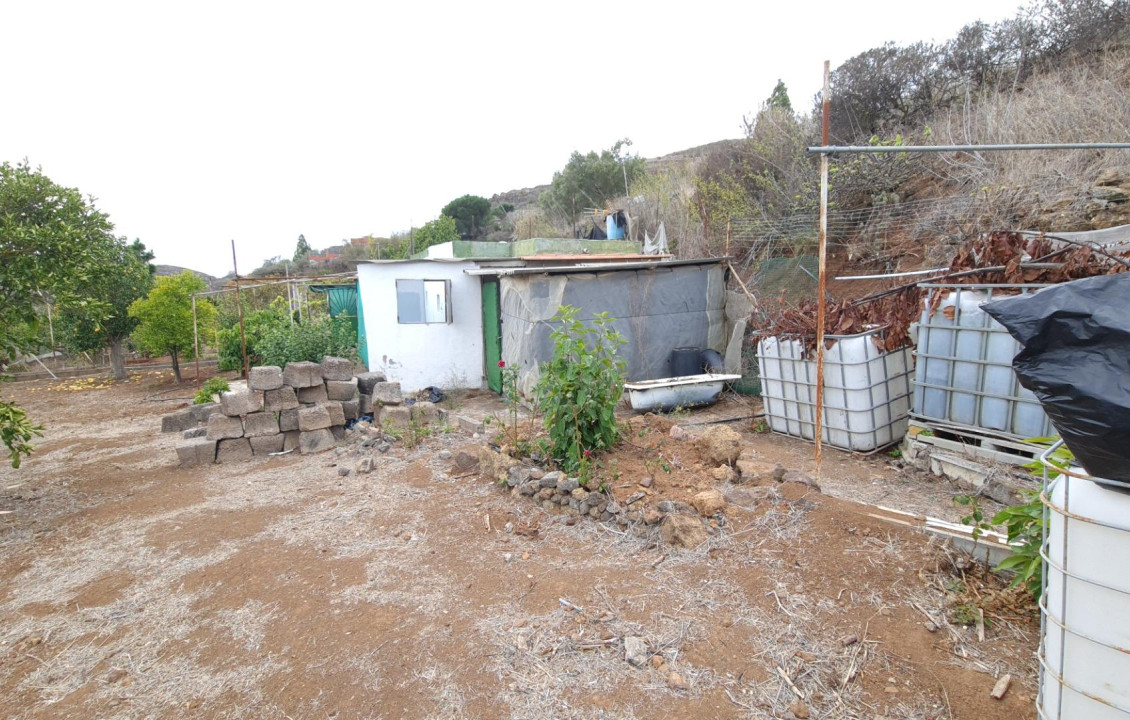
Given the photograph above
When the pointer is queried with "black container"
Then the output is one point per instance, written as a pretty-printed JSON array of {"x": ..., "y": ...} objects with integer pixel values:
[{"x": 686, "y": 361}]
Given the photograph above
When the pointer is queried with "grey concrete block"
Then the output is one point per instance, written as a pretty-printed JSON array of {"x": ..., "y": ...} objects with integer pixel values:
[
  {"x": 387, "y": 393},
  {"x": 178, "y": 421},
  {"x": 364, "y": 405},
  {"x": 398, "y": 416},
  {"x": 350, "y": 408},
  {"x": 313, "y": 394},
  {"x": 425, "y": 412},
  {"x": 196, "y": 432},
  {"x": 199, "y": 451},
  {"x": 288, "y": 420},
  {"x": 315, "y": 417},
  {"x": 335, "y": 368},
  {"x": 221, "y": 427},
  {"x": 302, "y": 374},
  {"x": 315, "y": 441},
  {"x": 265, "y": 377},
  {"x": 283, "y": 398},
  {"x": 260, "y": 424},
  {"x": 367, "y": 381},
  {"x": 204, "y": 411},
  {"x": 290, "y": 440},
  {"x": 341, "y": 389},
  {"x": 337, "y": 413},
  {"x": 234, "y": 450},
  {"x": 267, "y": 444},
  {"x": 338, "y": 432},
  {"x": 241, "y": 402}
]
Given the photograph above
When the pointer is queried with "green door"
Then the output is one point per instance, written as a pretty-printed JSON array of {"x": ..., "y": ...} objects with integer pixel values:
[{"x": 492, "y": 333}]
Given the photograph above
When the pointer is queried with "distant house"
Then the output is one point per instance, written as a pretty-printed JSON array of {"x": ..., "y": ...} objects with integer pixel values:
[{"x": 326, "y": 259}]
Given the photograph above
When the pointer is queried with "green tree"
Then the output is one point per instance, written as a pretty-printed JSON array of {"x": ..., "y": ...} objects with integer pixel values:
[
  {"x": 302, "y": 250},
  {"x": 591, "y": 180},
  {"x": 165, "y": 318},
  {"x": 780, "y": 97},
  {"x": 52, "y": 241},
  {"x": 118, "y": 283},
  {"x": 437, "y": 231},
  {"x": 468, "y": 212}
]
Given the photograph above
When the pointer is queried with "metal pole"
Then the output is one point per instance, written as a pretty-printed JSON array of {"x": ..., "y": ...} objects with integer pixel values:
[
  {"x": 822, "y": 277},
  {"x": 865, "y": 149},
  {"x": 239, "y": 302},
  {"x": 195, "y": 339},
  {"x": 728, "y": 221}
]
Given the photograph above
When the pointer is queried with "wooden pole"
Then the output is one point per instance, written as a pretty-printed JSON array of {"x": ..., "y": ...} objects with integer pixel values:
[
  {"x": 239, "y": 302},
  {"x": 195, "y": 339},
  {"x": 728, "y": 237},
  {"x": 822, "y": 277}
]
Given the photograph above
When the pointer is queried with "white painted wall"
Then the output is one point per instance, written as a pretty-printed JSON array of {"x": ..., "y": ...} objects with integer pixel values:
[
  {"x": 442, "y": 250},
  {"x": 417, "y": 355}
]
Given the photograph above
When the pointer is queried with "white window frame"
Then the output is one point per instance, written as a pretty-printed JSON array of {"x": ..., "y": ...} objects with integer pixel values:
[{"x": 442, "y": 316}]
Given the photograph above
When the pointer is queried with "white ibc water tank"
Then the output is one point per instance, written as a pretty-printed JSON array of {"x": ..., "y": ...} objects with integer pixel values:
[{"x": 1085, "y": 649}]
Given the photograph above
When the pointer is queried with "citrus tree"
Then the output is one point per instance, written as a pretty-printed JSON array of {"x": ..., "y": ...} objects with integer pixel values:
[{"x": 164, "y": 318}]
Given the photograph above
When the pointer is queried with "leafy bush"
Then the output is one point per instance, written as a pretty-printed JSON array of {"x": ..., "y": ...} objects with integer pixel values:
[
  {"x": 309, "y": 341},
  {"x": 16, "y": 431},
  {"x": 211, "y": 388},
  {"x": 580, "y": 387},
  {"x": 255, "y": 326}
]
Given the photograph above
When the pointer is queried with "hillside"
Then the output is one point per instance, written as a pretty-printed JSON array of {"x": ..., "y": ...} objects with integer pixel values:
[{"x": 214, "y": 283}]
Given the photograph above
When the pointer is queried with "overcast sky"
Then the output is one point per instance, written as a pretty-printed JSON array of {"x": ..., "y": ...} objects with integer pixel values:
[{"x": 197, "y": 123}]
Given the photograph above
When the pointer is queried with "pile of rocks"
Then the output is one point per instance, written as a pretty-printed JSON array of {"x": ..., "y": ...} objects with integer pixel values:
[{"x": 304, "y": 406}]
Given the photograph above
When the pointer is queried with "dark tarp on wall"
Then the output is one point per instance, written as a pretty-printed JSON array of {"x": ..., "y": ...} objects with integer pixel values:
[{"x": 656, "y": 310}]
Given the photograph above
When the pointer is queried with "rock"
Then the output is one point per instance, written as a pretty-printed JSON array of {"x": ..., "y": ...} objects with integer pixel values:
[
  {"x": 260, "y": 424},
  {"x": 579, "y": 494},
  {"x": 343, "y": 472},
  {"x": 315, "y": 441},
  {"x": 337, "y": 413},
  {"x": 464, "y": 461},
  {"x": 652, "y": 517},
  {"x": 368, "y": 380},
  {"x": 567, "y": 484},
  {"x": 341, "y": 389},
  {"x": 1001, "y": 687},
  {"x": 708, "y": 502},
  {"x": 724, "y": 473},
  {"x": 796, "y": 476},
  {"x": 265, "y": 377},
  {"x": 529, "y": 489},
  {"x": 288, "y": 420},
  {"x": 720, "y": 445},
  {"x": 384, "y": 447},
  {"x": 315, "y": 417},
  {"x": 196, "y": 432},
  {"x": 302, "y": 374},
  {"x": 280, "y": 399},
  {"x": 849, "y": 640},
  {"x": 290, "y": 440},
  {"x": 546, "y": 493},
  {"x": 444, "y": 455},
  {"x": 749, "y": 497},
  {"x": 678, "y": 433},
  {"x": 267, "y": 444},
  {"x": 233, "y": 450},
  {"x": 646, "y": 482},
  {"x": 203, "y": 411},
  {"x": 351, "y": 409},
  {"x": 683, "y": 531},
  {"x": 675, "y": 681},
  {"x": 493, "y": 465},
  {"x": 338, "y": 431},
  {"x": 799, "y": 709},
  {"x": 313, "y": 394},
  {"x": 759, "y": 473},
  {"x": 178, "y": 421},
  {"x": 613, "y": 508},
  {"x": 387, "y": 393},
  {"x": 337, "y": 369},
  {"x": 366, "y": 465},
  {"x": 517, "y": 475},
  {"x": 200, "y": 451},
  {"x": 396, "y": 416},
  {"x": 635, "y": 650},
  {"x": 470, "y": 425},
  {"x": 241, "y": 402},
  {"x": 425, "y": 412},
  {"x": 364, "y": 405},
  {"x": 221, "y": 427},
  {"x": 675, "y": 507}
]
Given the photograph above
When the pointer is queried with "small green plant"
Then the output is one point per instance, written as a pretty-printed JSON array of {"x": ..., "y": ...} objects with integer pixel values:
[
  {"x": 975, "y": 518},
  {"x": 416, "y": 432},
  {"x": 580, "y": 387},
  {"x": 896, "y": 453},
  {"x": 761, "y": 427},
  {"x": 210, "y": 389},
  {"x": 964, "y": 614}
]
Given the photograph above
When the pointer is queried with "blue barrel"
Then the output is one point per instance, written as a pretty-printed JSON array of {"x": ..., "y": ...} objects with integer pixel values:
[{"x": 613, "y": 229}]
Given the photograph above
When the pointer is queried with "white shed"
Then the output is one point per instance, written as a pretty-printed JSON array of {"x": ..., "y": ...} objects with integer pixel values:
[{"x": 423, "y": 322}]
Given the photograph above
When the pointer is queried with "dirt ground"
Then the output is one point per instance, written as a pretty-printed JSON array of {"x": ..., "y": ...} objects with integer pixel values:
[{"x": 279, "y": 588}]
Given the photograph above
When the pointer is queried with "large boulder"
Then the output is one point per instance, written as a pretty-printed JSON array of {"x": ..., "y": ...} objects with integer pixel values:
[
  {"x": 203, "y": 411},
  {"x": 755, "y": 472},
  {"x": 302, "y": 374},
  {"x": 178, "y": 421},
  {"x": 719, "y": 445},
  {"x": 683, "y": 531},
  {"x": 260, "y": 424},
  {"x": 267, "y": 444},
  {"x": 315, "y": 417},
  {"x": 200, "y": 451},
  {"x": 337, "y": 413},
  {"x": 234, "y": 450},
  {"x": 288, "y": 420},
  {"x": 493, "y": 465},
  {"x": 222, "y": 427},
  {"x": 335, "y": 368},
  {"x": 395, "y": 416},
  {"x": 283, "y": 398},
  {"x": 387, "y": 393},
  {"x": 341, "y": 390},
  {"x": 241, "y": 402},
  {"x": 313, "y": 394},
  {"x": 367, "y": 381},
  {"x": 350, "y": 409},
  {"x": 265, "y": 377},
  {"x": 315, "y": 441},
  {"x": 708, "y": 502}
]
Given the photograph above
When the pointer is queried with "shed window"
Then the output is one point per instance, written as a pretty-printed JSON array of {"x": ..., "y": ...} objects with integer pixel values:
[{"x": 423, "y": 301}]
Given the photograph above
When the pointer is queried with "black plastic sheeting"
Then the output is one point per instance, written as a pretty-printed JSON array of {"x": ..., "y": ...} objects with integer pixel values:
[{"x": 1076, "y": 360}]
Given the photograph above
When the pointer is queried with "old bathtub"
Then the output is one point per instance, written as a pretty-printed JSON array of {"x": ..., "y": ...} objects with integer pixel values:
[{"x": 670, "y": 393}]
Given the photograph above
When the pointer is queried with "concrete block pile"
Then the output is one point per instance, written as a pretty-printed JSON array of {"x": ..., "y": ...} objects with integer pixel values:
[{"x": 303, "y": 406}]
